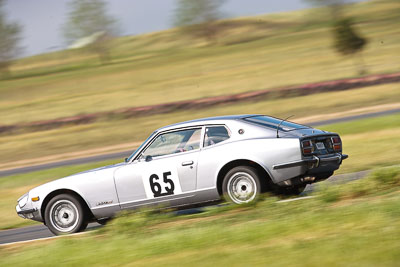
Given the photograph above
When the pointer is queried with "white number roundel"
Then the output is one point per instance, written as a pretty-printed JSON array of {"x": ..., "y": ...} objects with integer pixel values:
[{"x": 161, "y": 182}]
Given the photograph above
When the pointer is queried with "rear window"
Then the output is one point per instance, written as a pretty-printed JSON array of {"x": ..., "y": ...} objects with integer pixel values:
[{"x": 273, "y": 123}]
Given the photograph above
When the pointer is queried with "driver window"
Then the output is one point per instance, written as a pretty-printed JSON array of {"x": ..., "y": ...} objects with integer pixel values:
[{"x": 174, "y": 142}]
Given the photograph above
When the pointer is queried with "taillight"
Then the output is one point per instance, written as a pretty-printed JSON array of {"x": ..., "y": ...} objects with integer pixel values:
[
  {"x": 336, "y": 143},
  {"x": 337, "y": 147},
  {"x": 307, "y": 147},
  {"x": 307, "y": 143}
]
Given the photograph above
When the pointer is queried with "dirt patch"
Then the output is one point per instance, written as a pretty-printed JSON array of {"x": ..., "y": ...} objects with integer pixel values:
[
  {"x": 70, "y": 155},
  {"x": 346, "y": 113}
]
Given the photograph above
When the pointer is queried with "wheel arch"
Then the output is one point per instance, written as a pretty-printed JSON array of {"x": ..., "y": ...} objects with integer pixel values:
[
  {"x": 64, "y": 191},
  {"x": 263, "y": 172}
]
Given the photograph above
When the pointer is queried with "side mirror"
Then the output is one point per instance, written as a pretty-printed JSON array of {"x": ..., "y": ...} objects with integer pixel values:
[
  {"x": 148, "y": 158},
  {"x": 126, "y": 160}
]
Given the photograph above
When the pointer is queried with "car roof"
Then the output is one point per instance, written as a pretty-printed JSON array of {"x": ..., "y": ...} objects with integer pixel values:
[{"x": 205, "y": 121}]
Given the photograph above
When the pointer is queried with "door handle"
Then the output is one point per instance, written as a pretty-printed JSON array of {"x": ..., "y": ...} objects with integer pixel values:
[{"x": 187, "y": 163}]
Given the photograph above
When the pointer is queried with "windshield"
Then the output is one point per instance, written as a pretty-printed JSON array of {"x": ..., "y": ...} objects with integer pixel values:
[
  {"x": 273, "y": 123},
  {"x": 140, "y": 147}
]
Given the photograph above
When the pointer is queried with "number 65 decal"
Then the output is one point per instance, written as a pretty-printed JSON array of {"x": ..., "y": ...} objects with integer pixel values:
[
  {"x": 156, "y": 187},
  {"x": 161, "y": 181}
]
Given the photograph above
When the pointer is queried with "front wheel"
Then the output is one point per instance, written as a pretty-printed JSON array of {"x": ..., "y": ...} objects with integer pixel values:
[
  {"x": 64, "y": 214},
  {"x": 241, "y": 185}
]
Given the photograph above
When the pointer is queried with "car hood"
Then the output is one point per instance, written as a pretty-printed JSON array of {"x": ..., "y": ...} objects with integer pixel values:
[
  {"x": 113, "y": 166},
  {"x": 74, "y": 179}
]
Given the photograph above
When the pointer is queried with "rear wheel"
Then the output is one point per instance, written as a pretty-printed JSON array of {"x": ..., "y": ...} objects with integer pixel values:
[
  {"x": 241, "y": 185},
  {"x": 64, "y": 214}
]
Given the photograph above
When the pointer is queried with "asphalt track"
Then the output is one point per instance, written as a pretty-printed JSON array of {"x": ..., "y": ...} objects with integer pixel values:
[
  {"x": 123, "y": 154},
  {"x": 40, "y": 232},
  {"x": 30, "y": 233}
]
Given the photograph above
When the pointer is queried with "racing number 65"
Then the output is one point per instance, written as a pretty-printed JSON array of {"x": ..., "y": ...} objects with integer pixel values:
[{"x": 156, "y": 187}]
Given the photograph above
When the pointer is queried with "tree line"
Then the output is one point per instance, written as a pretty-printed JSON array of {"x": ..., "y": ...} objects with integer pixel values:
[{"x": 89, "y": 20}]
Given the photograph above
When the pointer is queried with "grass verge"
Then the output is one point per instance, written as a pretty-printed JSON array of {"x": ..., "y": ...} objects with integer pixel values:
[{"x": 356, "y": 231}]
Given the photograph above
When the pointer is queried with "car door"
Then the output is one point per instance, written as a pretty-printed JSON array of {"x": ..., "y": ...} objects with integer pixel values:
[
  {"x": 214, "y": 153},
  {"x": 164, "y": 173}
]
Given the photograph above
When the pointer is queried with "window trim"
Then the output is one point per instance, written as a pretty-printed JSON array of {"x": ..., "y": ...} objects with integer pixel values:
[{"x": 216, "y": 125}]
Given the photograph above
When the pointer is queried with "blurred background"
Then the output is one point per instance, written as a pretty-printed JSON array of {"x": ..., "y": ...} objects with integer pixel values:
[{"x": 80, "y": 78}]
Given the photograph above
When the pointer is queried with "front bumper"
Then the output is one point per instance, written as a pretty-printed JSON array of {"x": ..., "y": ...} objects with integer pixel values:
[
  {"x": 32, "y": 214},
  {"x": 314, "y": 162}
]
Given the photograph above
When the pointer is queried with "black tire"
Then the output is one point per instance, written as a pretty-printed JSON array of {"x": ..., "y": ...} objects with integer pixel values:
[
  {"x": 242, "y": 185},
  {"x": 65, "y": 214},
  {"x": 293, "y": 191}
]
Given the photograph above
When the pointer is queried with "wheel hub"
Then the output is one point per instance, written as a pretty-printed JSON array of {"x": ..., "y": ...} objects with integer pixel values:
[
  {"x": 64, "y": 215},
  {"x": 242, "y": 188}
]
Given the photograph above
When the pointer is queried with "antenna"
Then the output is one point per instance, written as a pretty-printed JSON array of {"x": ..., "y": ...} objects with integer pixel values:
[{"x": 277, "y": 129}]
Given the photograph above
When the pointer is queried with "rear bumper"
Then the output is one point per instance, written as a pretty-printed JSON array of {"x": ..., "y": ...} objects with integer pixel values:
[
  {"x": 314, "y": 162},
  {"x": 311, "y": 169}
]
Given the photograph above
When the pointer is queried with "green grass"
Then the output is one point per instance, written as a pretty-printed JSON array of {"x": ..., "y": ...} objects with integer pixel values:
[
  {"x": 358, "y": 231},
  {"x": 289, "y": 48},
  {"x": 365, "y": 125},
  {"x": 114, "y": 132},
  {"x": 371, "y": 147},
  {"x": 369, "y": 143},
  {"x": 385, "y": 179}
]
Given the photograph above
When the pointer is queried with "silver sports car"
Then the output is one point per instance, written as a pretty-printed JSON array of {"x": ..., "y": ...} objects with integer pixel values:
[{"x": 200, "y": 161}]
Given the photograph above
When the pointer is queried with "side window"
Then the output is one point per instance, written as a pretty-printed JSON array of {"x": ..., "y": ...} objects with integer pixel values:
[
  {"x": 174, "y": 142},
  {"x": 215, "y": 135}
]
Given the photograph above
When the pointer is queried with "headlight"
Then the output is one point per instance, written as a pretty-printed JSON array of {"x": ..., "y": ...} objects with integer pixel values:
[{"x": 22, "y": 202}]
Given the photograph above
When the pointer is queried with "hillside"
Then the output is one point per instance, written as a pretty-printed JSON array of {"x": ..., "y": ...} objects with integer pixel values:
[{"x": 252, "y": 53}]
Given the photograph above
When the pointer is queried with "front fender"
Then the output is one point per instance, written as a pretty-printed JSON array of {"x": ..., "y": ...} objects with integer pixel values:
[{"x": 96, "y": 189}]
